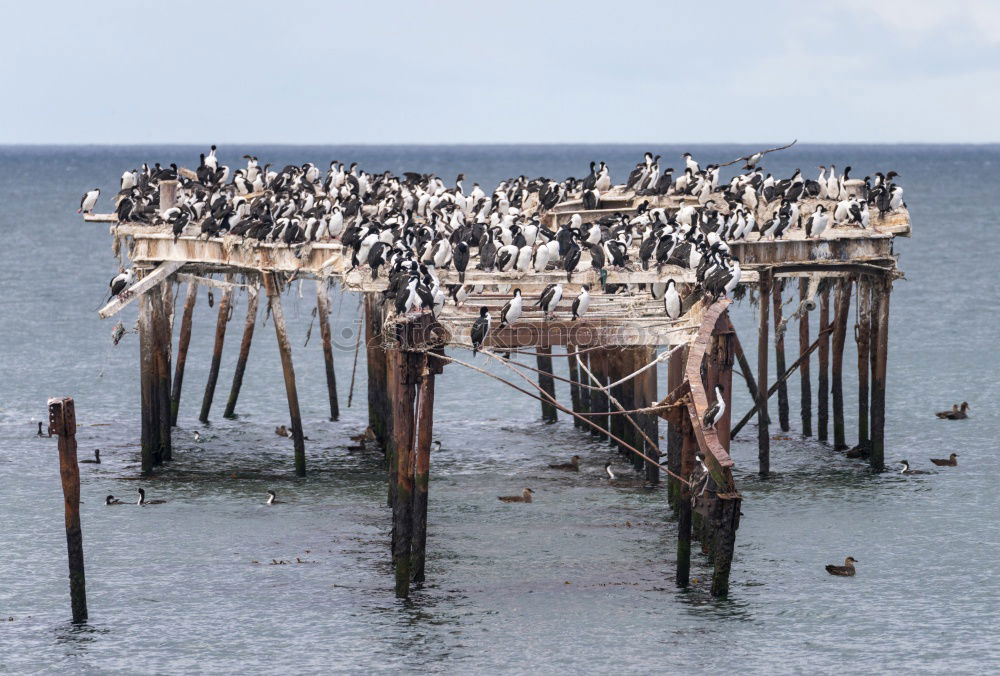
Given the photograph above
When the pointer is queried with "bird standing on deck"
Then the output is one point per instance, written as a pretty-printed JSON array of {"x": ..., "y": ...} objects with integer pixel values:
[
  {"x": 672, "y": 300},
  {"x": 550, "y": 299},
  {"x": 817, "y": 222},
  {"x": 714, "y": 414},
  {"x": 480, "y": 329},
  {"x": 511, "y": 312},
  {"x": 846, "y": 570},
  {"x": 89, "y": 201},
  {"x": 581, "y": 302}
]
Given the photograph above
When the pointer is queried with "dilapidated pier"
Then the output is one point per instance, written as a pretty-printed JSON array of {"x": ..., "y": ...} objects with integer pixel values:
[{"x": 628, "y": 364}]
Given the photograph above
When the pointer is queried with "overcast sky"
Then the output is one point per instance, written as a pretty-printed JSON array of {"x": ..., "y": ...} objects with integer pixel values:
[{"x": 390, "y": 71}]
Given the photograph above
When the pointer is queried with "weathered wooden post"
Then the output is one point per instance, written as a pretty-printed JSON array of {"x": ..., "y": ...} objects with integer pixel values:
[
  {"x": 574, "y": 385},
  {"x": 288, "y": 370},
  {"x": 599, "y": 400},
  {"x": 863, "y": 338},
  {"x": 842, "y": 307},
  {"x": 220, "y": 339},
  {"x": 62, "y": 423},
  {"x": 647, "y": 394},
  {"x": 546, "y": 382},
  {"x": 401, "y": 382},
  {"x": 779, "y": 355},
  {"x": 422, "y": 463},
  {"x": 183, "y": 341},
  {"x": 323, "y": 310},
  {"x": 168, "y": 194},
  {"x": 763, "y": 434},
  {"x": 822, "y": 399},
  {"x": 688, "y": 446},
  {"x": 583, "y": 392},
  {"x": 241, "y": 362},
  {"x": 675, "y": 376},
  {"x": 150, "y": 434},
  {"x": 378, "y": 411},
  {"x": 161, "y": 340},
  {"x": 805, "y": 391},
  {"x": 881, "y": 290}
]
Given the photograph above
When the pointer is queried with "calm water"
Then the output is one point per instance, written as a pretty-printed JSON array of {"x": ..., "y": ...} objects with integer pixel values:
[{"x": 563, "y": 584}]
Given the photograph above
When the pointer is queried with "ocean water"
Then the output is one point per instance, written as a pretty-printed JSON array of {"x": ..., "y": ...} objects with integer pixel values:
[{"x": 579, "y": 581}]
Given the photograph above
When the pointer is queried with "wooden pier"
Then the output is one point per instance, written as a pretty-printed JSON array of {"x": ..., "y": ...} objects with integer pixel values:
[{"x": 628, "y": 364}]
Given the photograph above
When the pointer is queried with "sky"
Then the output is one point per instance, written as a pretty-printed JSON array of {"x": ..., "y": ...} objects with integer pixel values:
[{"x": 388, "y": 71}]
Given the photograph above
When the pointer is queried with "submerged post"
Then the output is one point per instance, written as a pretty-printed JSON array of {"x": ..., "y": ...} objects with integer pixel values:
[
  {"x": 779, "y": 356},
  {"x": 161, "y": 364},
  {"x": 241, "y": 362},
  {"x": 763, "y": 434},
  {"x": 805, "y": 391},
  {"x": 823, "y": 405},
  {"x": 288, "y": 370},
  {"x": 574, "y": 386},
  {"x": 881, "y": 290},
  {"x": 62, "y": 423},
  {"x": 547, "y": 383},
  {"x": 183, "y": 341},
  {"x": 675, "y": 376},
  {"x": 150, "y": 434},
  {"x": 220, "y": 339},
  {"x": 646, "y": 395},
  {"x": 684, "y": 518},
  {"x": 401, "y": 382},
  {"x": 842, "y": 307},
  {"x": 379, "y": 418},
  {"x": 323, "y": 310},
  {"x": 599, "y": 400}
]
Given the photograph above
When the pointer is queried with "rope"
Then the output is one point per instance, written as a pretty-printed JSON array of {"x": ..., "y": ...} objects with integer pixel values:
[
  {"x": 357, "y": 348},
  {"x": 558, "y": 406},
  {"x": 607, "y": 392}
]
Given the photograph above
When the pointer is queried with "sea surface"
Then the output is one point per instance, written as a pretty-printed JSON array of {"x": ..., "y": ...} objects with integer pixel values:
[{"x": 579, "y": 581}]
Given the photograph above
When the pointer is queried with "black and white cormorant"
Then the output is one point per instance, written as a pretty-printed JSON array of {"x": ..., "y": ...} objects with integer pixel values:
[
  {"x": 672, "y": 300},
  {"x": 97, "y": 458},
  {"x": 581, "y": 302},
  {"x": 112, "y": 500},
  {"x": 272, "y": 498},
  {"x": 550, "y": 299},
  {"x": 511, "y": 312},
  {"x": 89, "y": 201},
  {"x": 143, "y": 501},
  {"x": 715, "y": 412},
  {"x": 480, "y": 329}
]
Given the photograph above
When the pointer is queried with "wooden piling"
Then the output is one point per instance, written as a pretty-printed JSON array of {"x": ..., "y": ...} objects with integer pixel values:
[
  {"x": 183, "y": 341},
  {"x": 599, "y": 400},
  {"x": 841, "y": 314},
  {"x": 574, "y": 386},
  {"x": 881, "y": 291},
  {"x": 745, "y": 368},
  {"x": 241, "y": 362},
  {"x": 684, "y": 517},
  {"x": 675, "y": 376},
  {"x": 582, "y": 392},
  {"x": 323, "y": 310},
  {"x": 822, "y": 398},
  {"x": 805, "y": 391},
  {"x": 726, "y": 521},
  {"x": 62, "y": 423},
  {"x": 150, "y": 433},
  {"x": 646, "y": 394},
  {"x": 220, "y": 339},
  {"x": 422, "y": 464},
  {"x": 287, "y": 368},
  {"x": 161, "y": 340},
  {"x": 863, "y": 338},
  {"x": 401, "y": 383},
  {"x": 546, "y": 382},
  {"x": 379, "y": 418},
  {"x": 779, "y": 355},
  {"x": 763, "y": 434}
]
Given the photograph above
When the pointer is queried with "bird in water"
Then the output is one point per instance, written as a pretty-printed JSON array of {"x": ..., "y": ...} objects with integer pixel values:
[
  {"x": 955, "y": 413},
  {"x": 480, "y": 329},
  {"x": 609, "y": 472},
  {"x": 525, "y": 496},
  {"x": 40, "y": 433},
  {"x": 112, "y": 500},
  {"x": 89, "y": 201},
  {"x": 197, "y": 437},
  {"x": 846, "y": 570},
  {"x": 714, "y": 414},
  {"x": 97, "y": 457},
  {"x": 143, "y": 501},
  {"x": 272, "y": 499},
  {"x": 435, "y": 446},
  {"x": 572, "y": 466},
  {"x": 282, "y": 431},
  {"x": 906, "y": 468},
  {"x": 951, "y": 461}
]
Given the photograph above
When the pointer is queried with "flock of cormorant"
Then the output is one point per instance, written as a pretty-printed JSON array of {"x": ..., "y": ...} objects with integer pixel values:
[{"x": 414, "y": 225}]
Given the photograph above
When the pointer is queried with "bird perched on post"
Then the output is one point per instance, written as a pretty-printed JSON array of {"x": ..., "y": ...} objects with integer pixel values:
[
  {"x": 714, "y": 414},
  {"x": 512, "y": 310},
  {"x": 480, "y": 328},
  {"x": 550, "y": 299},
  {"x": 89, "y": 201},
  {"x": 581, "y": 302}
]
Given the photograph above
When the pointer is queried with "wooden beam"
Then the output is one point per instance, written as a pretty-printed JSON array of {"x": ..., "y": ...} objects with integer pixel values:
[
  {"x": 779, "y": 355},
  {"x": 241, "y": 362},
  {"x": 62, "y": 423},
  {"x": 805, "y": 386},
  {"x": 183, "y": 341},
  {"x": 823, "y": 398},
  {"x": 881, "y": 292},
  {"x": 323, "y": 310},
  {"x": 287, "y": 369},
  {"x": 148, "y": 281},
  {"x": 220, "y": 338},
  {"x": 841, "y": 312},
  {"x": 422, "y": 467},
  {"x": 763, "y": 433}
]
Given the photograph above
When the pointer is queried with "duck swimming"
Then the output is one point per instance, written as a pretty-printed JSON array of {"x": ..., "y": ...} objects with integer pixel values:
[
  {"x": 572, "y": 466},
  {"x": 97, "y": 457},
  {"x": 281, "y": 431},
  {"x": 525, "y": 496},
  {"x": 112, "y": 500},
  {"x": 143, "y": 501},
  {"x": 906, "y": 468},
  {"x": 197, "y": 437},
  {"x": 272, "y": 499},
  {"x": 951, "y": 461},
  {"x": 955, "y": 413},
  {"x": 846, "y": 570}
]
